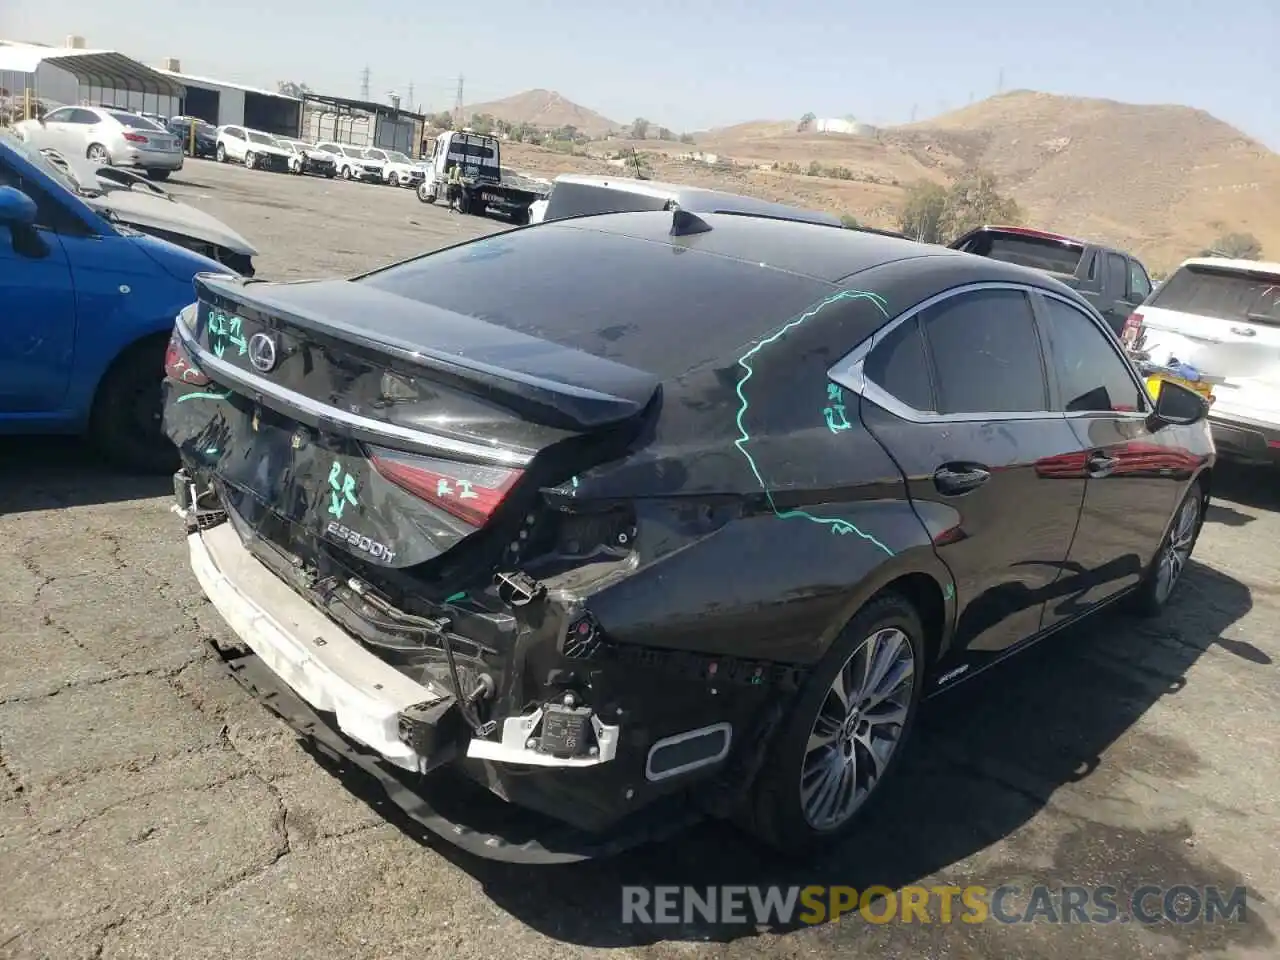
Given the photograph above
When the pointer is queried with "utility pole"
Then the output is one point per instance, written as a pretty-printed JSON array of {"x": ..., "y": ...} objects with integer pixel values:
[
  {"x": 913, "y": 113},
  {"x": 1000, "y": 81},
  {"x": 364, "y": 83},
  {"x": 457, "y": 106},
  {"x": 410, "y": 98}
]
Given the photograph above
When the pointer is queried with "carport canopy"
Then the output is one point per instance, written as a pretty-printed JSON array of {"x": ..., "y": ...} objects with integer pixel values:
[{"x": 101, "y": 68}]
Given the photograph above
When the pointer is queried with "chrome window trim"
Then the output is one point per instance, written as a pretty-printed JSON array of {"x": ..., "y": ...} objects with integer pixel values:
[
  {"x": 848, "y": 372},
  {"x": 1101, "y": 326},
  {"x": 323, "y": 413}
]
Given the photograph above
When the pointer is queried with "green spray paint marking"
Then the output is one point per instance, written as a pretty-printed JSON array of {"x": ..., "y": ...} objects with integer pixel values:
[
  {"x": 461, "y": 595},
  {"x": 204, "y": 395},
  {"x": 950, "y": 592},
  {"x": 836, "y": 525},
  {"x": 343, "y": 493}
]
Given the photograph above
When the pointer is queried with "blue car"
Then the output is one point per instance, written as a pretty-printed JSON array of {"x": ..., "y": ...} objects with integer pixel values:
[{"x": 86, "y": 310}]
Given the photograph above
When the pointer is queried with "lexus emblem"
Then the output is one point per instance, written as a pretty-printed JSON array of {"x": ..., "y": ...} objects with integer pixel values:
[{"x": 262, "y": 352}]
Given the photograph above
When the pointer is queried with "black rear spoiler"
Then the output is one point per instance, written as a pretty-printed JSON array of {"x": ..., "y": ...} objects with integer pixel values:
[{"x": 581, "y": 390}]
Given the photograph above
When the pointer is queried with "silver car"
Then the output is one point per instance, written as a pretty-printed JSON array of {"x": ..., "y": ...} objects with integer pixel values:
[{"x": 107, "y": 137}]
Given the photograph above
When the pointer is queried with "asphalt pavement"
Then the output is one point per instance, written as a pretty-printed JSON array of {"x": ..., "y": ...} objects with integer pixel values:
[{"x": 150, "y": 809}]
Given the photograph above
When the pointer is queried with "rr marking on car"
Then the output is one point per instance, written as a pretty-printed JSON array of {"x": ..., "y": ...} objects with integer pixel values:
[
  {"x": 744, "y": 437},
  {"x": 343, "y": 493},
  {"x": 376, "y": 550}
]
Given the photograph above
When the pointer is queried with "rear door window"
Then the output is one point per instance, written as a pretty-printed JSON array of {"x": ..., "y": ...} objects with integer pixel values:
[
  {"x": 1117, "y": 277},
  {"x": 1139, "y": 283},
  {"x": 987, "y": 353},
  {"x": 1092, "y": 375},
  {"x": 899, "y": 366}
]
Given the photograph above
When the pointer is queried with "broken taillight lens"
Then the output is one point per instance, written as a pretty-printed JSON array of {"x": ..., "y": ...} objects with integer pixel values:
[
  {"x": 179, "y": 366},
  {"x": 468, "y": 491}
]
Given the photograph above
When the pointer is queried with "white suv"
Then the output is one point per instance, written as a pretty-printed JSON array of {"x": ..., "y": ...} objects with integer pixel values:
[
  {"x": 351, "y": 162},
  {"x": 1223, "y": 318},
  {"x": 397, "y": 169}
]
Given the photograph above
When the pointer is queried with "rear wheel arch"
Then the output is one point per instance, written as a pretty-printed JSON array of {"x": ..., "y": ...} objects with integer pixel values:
[
  {"x": 148, "y": 342},
  {"x": 919, "y": 578},
  {"x": 109, "y": 423}
]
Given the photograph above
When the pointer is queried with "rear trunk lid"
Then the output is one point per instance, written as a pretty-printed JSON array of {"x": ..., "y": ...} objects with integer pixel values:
[
  {"x": 1223, "y": 318},
  {"x": 392, "y": 440}
]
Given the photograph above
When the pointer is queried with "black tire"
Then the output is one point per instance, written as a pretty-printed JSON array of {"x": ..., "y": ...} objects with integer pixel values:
[
  {"x": 159, "y": 174},
  {"x": 1152, "y": 595},
  {"x": 773, "y": 813},
  {"x": 250, "y": 161},
  {"x": 425, "y": 193},
  {"x": 346, "y": 173},
  {"x": 220, "y": 154},
  {"x": 98, "y": 154},
  {"x": 125, "y": 421}
]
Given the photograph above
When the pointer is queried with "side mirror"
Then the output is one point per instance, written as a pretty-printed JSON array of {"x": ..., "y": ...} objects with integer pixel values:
[
  {"x": 16, "y": 208},
  {"x": 1178, "y": 405}
]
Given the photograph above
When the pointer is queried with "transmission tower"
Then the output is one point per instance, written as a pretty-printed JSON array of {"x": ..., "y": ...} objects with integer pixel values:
[
  {"x": 364, "y": 84},
  {"x": 457, "y": 106}
]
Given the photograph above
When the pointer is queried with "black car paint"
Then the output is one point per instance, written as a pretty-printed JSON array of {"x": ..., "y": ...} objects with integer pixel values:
[
  {"x": 206, "y": 140},
  {"x": 730, "y": 494}
]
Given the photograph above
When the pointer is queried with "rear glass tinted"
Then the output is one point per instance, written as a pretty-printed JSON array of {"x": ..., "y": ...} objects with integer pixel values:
[
  {"x": 1250, "y": 296},
  {"x": 1036, "y": 252},
  {"x": 583, "y": 200},
  {"x": 135, "y": 121},
  {"x": 651, "y": 306}
]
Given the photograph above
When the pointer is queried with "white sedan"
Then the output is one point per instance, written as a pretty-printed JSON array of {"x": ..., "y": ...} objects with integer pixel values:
[{"x": 107, "y": 137}]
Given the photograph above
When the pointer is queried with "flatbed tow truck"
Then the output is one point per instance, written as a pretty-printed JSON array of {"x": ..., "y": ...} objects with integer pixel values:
[{"x": 485, "y": 190}]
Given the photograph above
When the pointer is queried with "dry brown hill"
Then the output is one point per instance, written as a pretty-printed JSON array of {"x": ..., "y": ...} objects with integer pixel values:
[
  {"x": 546, "y": 109},
  {"x": 1165, "y": 180}
]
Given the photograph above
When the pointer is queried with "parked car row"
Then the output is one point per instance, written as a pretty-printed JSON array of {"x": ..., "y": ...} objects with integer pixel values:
[{"x": 259, "y": 150}]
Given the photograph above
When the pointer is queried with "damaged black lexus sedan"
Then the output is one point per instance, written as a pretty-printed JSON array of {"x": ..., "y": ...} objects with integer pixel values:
[{"x": 615, "y": 520}]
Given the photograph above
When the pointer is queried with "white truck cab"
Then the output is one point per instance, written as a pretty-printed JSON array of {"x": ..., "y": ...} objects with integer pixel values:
[{"x": 484, "y": 189}]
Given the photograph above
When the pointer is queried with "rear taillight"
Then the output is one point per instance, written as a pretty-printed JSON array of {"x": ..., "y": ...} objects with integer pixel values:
[
  {"x": 179, "y": 366},
  {"x": 469, "y": 491},
  {"x": 1132, "y": 328},
  {"x": 135, "y": 138}
]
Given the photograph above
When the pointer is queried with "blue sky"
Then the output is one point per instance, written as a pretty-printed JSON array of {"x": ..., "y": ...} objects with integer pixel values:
[{"x": 691, "y": 65}]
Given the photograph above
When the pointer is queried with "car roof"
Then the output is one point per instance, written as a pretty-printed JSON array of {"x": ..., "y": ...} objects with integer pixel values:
[
  {"x": 808, "y": 249},
  {"x": 697, "y": 199}
]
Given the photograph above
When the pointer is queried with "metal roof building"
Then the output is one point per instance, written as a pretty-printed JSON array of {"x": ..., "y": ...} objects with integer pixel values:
[
  {"x": 222, "y": 102},
  {"x": 38, "y": 74}
]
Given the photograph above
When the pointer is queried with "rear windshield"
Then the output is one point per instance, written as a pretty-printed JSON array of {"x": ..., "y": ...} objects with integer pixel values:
[
  {"x": 582, "y": 200},
  {"x": 1240, "y": 295},
  {"x": 352, "y": 152},
  {"x": 648, "y": 305},
  {"x": 135, "y": 121},
  {"x": 1039, "y": 253}
]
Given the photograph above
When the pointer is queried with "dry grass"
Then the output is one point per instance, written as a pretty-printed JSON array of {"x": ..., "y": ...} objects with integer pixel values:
[{"x": 1162, "y": 181}]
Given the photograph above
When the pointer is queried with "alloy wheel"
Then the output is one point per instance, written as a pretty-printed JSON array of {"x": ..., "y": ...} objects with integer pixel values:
[
  {"x": 98, "y": 154},
  {"x": 1177, "y": 551},
  {"x": 859, "y": 725}
]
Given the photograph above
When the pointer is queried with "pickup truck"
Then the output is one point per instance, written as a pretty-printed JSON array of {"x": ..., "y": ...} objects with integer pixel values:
[
  {"x": 1114, "y": 281},
  {"x": 484, "y": 188}
]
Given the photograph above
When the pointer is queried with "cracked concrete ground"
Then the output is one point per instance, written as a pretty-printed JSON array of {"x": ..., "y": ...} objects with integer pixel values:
[{"x": 149, "y": 809}]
